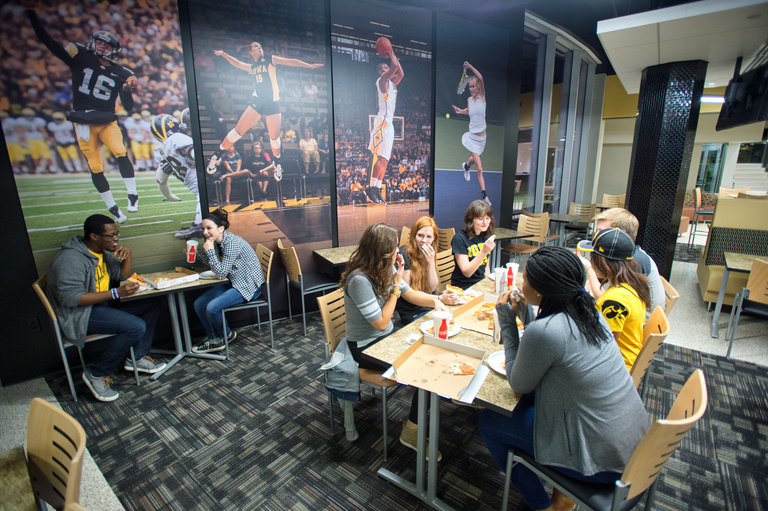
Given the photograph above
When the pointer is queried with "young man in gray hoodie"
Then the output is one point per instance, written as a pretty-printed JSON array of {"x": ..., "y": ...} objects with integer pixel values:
[{"x": 85, "y": 291}]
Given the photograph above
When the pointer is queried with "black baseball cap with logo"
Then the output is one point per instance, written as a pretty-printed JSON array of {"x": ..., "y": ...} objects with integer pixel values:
[{"x": 612, "y": 244}]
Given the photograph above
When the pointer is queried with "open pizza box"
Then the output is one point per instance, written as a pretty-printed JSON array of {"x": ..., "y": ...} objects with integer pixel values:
[
  {"x": 465, "y": 316},
  {"x": 165, "y": 280},
  {"x": 426, "y": 364}
]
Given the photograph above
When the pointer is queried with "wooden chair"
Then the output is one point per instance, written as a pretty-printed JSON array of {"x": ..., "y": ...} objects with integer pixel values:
[
  {"x": 404, "y": 235},
  {"x": 545, "y": 214},
  {"x": 753, "y": 298},
  {"x": 699, "y": 214},
  {"x": 655, "y": 331},
  {"x": 55, "y": 448},
  {"x": 614, "y": 201},
  {"x": 335, "y": 325},
  {"x": 39, "y": 286},
  {"x": 730, "y": 193},
  {"x": 304, "y": 283},
  {"x": 644, "y": 466},
  {"x": 586, "y": 212},
  {"x": 444, "y": 238},
  {"x": 538, "y": 227},
  {"x": 671, "y": 296},
  {"x": 265, "y": 256},
  {"x": 445, "y": 265}
]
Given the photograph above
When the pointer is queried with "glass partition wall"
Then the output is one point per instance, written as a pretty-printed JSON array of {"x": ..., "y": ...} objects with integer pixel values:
[{"x": 556, "y": 91}]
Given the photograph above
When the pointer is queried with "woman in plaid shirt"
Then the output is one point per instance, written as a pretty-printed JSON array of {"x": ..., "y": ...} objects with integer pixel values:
[{"x": 229, "y": 256}]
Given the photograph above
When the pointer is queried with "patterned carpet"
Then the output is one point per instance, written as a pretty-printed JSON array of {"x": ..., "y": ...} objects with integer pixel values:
[{"x": 252, "y": 433}]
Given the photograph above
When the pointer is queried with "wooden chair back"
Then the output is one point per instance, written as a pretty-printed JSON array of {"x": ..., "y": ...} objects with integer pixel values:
[
  {"x": 757, "y": 285},
  {"x": 444, "y": 238},
  {"x": 537, "y": 226},
  {"x": 730, "y": 193},
  {"x": 55, "y": 448},
  {"x": 585, "y": 211},
  {"x": 655, "y": 331},
  {"x": 265, "y": 256},
  {"x": 671, "y": 296},
  {"x": 290, "y": 261},
  {"x": 334, "y": 318},
  {"x": 39, "y": 286},
  {"x": 614, "y": 201},
  {"x": 404, "y": 235},
  {"x": 660, "y": 442},
  {"x": 696, "y": 198},
  {"x": 445, "y": 265}
]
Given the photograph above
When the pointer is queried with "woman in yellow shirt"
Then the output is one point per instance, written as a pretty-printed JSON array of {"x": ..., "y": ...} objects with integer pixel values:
[{"x": 628, "y": 296}]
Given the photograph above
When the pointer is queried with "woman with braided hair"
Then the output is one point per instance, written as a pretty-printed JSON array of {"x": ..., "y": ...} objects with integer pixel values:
[{"x": 580, "y": 412}]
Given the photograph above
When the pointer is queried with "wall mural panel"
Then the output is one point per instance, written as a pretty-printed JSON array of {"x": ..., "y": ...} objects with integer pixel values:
[
  {"x": 81, "y": 84},
  {"x": 383, "y": 126}
]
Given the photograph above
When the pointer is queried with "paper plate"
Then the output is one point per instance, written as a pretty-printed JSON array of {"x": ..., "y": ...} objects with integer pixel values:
[
  {"x": 455, "y": 329},
  {"x": 496, "y": 362}
]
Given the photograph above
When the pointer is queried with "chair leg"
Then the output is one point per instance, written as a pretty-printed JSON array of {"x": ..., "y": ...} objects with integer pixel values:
[
  {"x": 507, "y": 481},
  {"x": 384, "y": 420},
  {"x": 288, "y": 292},
  {"x": 330, "y": 412},
  {"x": 731, "y": 332},
  {"x": 69, "y": 373},
  {"x": 303, "y": 313},
  {"x": 135, "y": 369},
  {"x": 224, "y": 330},
  {"x": 645, "y": 382}
]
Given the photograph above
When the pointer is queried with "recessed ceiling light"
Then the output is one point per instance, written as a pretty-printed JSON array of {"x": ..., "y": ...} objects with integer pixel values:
[
  {"x": 712, "y": 99},
  {"x": 712, "y": 84}
]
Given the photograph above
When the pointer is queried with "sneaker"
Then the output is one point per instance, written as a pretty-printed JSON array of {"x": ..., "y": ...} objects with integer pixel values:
[
  {"x": 193, "y": 231},
  {"x": 173, "y": 198},
  {"x": 232, "y": 335},
  {"x": 465, "y": 167},
  {"x": 133, "y": 203},
  {"x": 100, "y": 386},
  {"x": 145, "y": 365},
  {"x": 409, "y": 438},
  {"x": 215, "y": 162},
  {"x": 119, "y": 216},
  {"x": 380, "y": 197},
  {"x": 371, "y": 195},
  {"x": 486, "y": 199},
  {"x": 278, "y": 173},
  {"x": 209, "y": 346}
]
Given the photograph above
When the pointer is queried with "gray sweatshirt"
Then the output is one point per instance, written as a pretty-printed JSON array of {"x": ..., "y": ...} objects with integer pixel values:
[
  {"x": 588, "y": 414},
  {"x": 72, "y": 274}
]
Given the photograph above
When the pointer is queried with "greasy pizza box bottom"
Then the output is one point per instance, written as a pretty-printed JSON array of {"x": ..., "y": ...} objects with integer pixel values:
[
  {"x": 464, "y": 316},
  {"x": 427, "y": 365},
  {"x": 179, "y": 276}
]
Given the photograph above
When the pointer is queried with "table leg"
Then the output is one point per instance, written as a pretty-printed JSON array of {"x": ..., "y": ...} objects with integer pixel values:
[
  {"x": 188, "y": 335},
  {"x": 719, "y": 304},
  {"x": 176, "y": 338},
  {"x": 561, "y": 233}
]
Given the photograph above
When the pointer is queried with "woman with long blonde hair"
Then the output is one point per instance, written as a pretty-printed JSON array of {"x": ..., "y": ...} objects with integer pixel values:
[{"x": 420, "y": 262}]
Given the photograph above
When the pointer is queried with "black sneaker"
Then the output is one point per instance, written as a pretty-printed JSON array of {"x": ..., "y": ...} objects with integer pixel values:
[
  {"x": 215, "y": 162},
  {"x": 379, "y": 197},
  {"x": 119, "y": 216},
  {"x": 193, "y": 231},
  {"x": 371, "y": 193},
  {"x": 133, "y": 203},
  {"x": 209, "y": 346}
]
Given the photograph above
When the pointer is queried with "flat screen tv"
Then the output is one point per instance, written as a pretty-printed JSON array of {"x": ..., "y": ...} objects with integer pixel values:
[{"x": 746, "y": 99}]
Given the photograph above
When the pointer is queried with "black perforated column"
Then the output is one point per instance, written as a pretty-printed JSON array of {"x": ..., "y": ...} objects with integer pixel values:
[{"x": 668, "y": 112}]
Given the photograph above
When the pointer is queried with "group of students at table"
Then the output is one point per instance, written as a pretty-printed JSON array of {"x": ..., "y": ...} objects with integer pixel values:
[{"x": 580, "y": 412}]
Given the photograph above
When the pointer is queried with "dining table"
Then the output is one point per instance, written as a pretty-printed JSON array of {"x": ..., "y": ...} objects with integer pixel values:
[
  {"x": 740, "y": 263},
  {"x": 495, "y": 394},
  {"x": 504, "y": 235},
  {"x": 333, "y": 260},
  {"x": 17, "y": 493},
  {"x": 560, "y": 220},
  {"x": 177, "y": 307}
]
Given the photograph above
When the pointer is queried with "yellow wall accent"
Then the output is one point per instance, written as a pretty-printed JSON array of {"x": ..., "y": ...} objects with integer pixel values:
[{"x": 617, "y": 103}]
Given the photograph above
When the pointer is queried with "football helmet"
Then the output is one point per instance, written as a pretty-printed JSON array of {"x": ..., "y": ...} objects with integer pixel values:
[
  {"x": 107, "y": 37},
  {"x": 185, "y": 119},
  {"x": 163, "y": 126},
  {"x": 58, "y": 116}
]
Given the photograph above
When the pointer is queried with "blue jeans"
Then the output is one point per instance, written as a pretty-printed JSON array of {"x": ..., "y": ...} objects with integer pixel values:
[
  {"x": 210, "y": 304},
  {"x": 502, "y": 432},
  {"x": 133, "y": 326}
]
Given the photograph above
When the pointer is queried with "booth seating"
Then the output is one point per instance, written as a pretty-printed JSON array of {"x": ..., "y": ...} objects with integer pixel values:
[{"x": 740, "y": 226}]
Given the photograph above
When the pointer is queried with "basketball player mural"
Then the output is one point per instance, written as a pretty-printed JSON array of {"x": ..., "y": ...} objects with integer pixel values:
[
  {"x": 264, "y": 101},
  {"x": 97, "y": 82},
  {"x": 383, "y": 133}
]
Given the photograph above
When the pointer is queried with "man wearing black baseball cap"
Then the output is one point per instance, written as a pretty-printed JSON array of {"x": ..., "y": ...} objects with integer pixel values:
[{"x": 627, "y": 298}]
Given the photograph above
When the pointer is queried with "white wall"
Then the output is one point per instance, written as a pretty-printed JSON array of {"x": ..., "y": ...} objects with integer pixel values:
[{"x": 618, "y": 135}]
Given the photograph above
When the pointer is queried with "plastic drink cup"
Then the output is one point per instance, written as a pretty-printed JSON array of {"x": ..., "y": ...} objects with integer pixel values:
[
  {"x": 191, "y": 251},
  {"x": 510, "y": 276},
  {"x": 440, "y": 323},
  {"x": 499, "y": 280},
  {"x": 515, "y": 271}
]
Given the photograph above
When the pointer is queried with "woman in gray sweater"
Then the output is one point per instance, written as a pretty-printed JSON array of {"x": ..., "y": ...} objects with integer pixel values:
[{"x": 580, "y": 412}]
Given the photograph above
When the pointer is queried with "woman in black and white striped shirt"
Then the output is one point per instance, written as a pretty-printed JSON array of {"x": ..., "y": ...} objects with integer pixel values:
[{"x": 229, "y": 256}]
